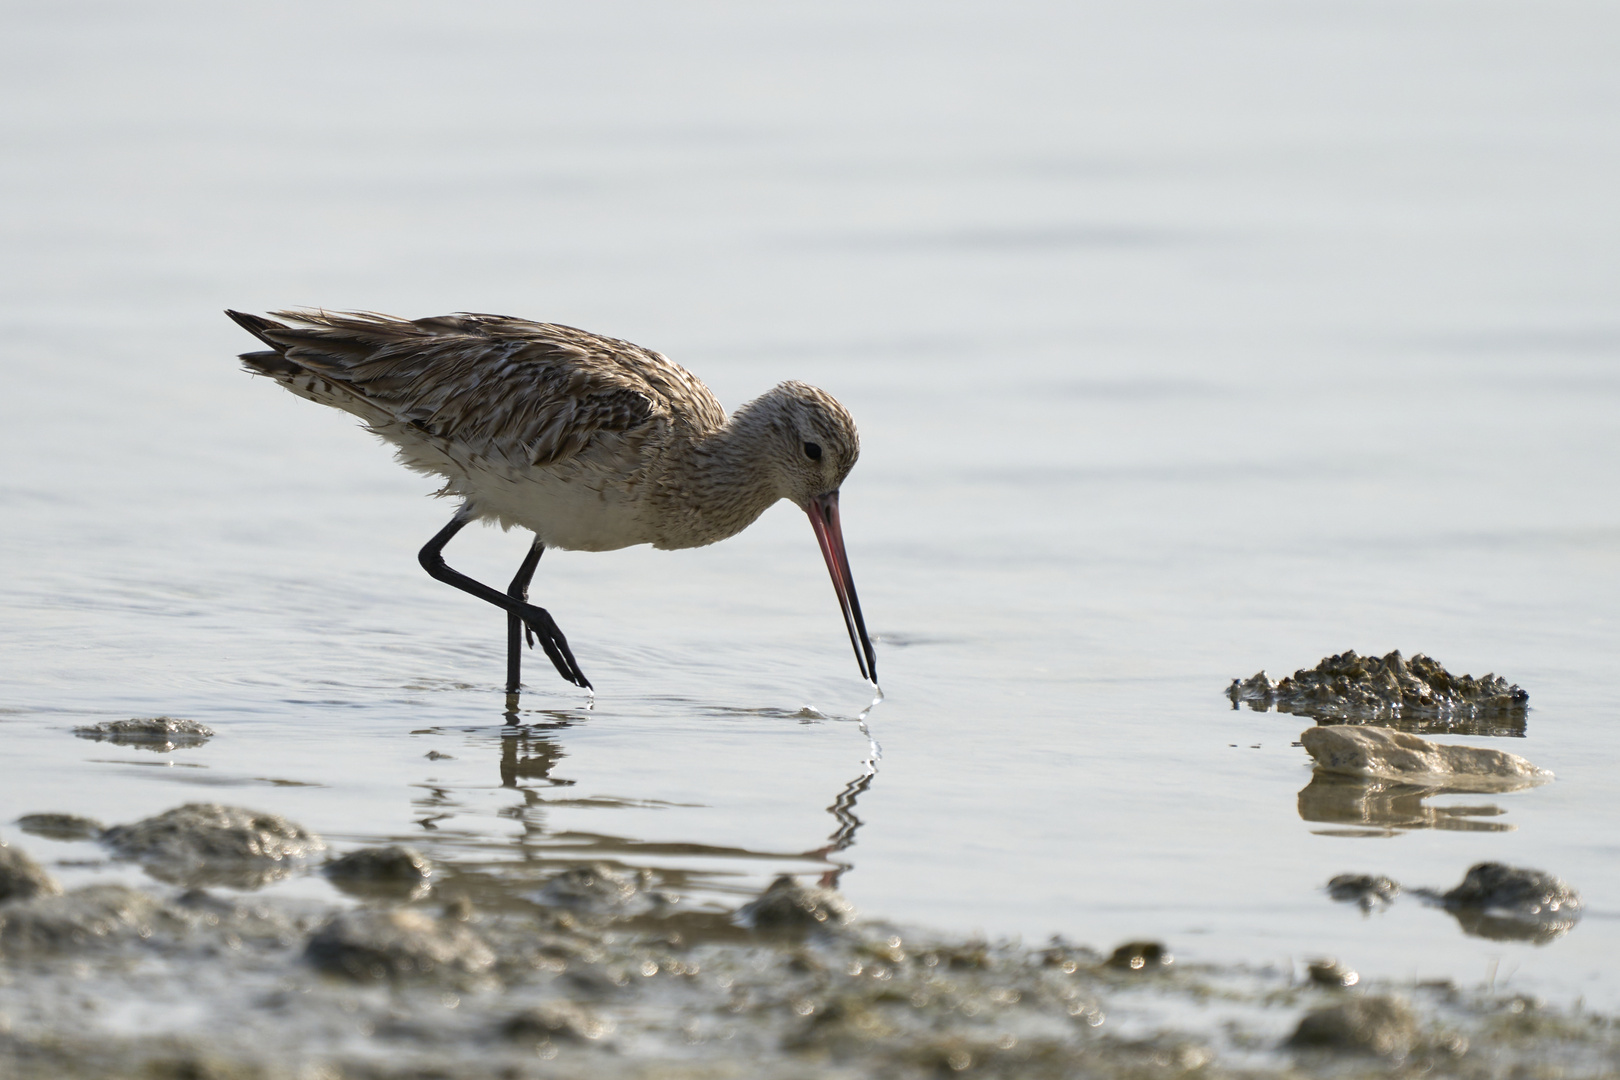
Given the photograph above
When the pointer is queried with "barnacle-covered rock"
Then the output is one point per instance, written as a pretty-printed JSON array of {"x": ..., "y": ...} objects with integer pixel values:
[
  {"x": 1354, "y": 688},
  {"x": 202, "y": 844},
  {"x": 156, "y": 733}
]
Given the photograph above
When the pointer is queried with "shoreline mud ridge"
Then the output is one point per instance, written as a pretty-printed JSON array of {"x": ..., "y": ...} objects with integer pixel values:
[{"x": 444, "y": 971}]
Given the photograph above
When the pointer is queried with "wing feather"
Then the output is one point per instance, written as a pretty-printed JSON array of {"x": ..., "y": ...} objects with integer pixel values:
[{"x": 529, "y": 393}]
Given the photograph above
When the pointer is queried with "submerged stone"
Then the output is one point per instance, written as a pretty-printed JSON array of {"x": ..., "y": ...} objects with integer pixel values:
[
  {"x": 1330, "y": 973},
  {"x": 371, "y": 946},
  {"x": 21, "y": 878},
  {"x": 392, "y": 871},
  {"x": 1513, "y": 892},
  {"x": 1395, "y": 755},
  {"x": 209, "y": 844},
  {"x": 157, "y": 733},
  {"x": 1350, "y": 687},
  {"x": 1366, "y": 1025},
  {"x": 1366, "y": 890},
  {"x": 787, "y": 905},
  {"x": 1141, "y": 956},
  {"x": 601, "y": 889},
  {"x": 60, "y": 826}
]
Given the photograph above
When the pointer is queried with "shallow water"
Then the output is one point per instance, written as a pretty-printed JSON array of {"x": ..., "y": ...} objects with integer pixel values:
[{"x": 1185, "y": 340}]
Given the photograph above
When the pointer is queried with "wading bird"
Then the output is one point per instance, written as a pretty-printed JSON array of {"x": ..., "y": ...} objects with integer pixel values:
[{"x": 590, "y": 443}]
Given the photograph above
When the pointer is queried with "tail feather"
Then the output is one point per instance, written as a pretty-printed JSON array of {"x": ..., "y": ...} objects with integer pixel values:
[
  {"x": 256, "y": 325},
  {"x": 274, "y": 364}
]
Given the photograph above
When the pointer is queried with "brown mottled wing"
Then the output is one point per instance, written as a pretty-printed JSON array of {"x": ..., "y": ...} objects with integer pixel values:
[{"x": 529, "y": 393}]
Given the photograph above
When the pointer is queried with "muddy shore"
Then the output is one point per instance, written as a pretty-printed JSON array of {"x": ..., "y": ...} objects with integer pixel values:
[{"x": 416, "y": 969}]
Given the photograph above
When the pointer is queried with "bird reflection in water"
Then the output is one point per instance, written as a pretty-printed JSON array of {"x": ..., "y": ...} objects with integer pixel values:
[{"x": 530, "y": 751}]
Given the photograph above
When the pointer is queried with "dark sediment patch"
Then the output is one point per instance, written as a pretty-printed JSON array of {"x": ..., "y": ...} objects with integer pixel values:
[
  {"x": 157, "y": 733},
  {"x": 1417, "y": 695},
  {"x": 201, "y": 844}
]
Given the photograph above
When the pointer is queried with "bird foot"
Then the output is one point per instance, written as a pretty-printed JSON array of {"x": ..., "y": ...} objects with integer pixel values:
[{"x": 538, "y": 623}]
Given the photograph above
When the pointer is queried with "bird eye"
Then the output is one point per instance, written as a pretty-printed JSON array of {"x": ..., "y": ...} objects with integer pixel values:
[{"x": 812, "y": 451}]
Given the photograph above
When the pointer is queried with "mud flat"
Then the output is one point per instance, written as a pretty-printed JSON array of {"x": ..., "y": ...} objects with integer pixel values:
[{"x": 603, "y": 972}]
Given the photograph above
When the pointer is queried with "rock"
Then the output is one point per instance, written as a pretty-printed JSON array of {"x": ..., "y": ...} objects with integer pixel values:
[
  {"x": 556, "y": 1020},
  {"x": 1141, "y": 956},
  {"x": 60, "y": 826},
  {"x": 1394, "y": 755},
  {"x": 157, "y": 733},
  {"x": 1352, "y": 687},
  {"x": 1330, "y": 973},
  {"x": 787, "y": 905},
  {"x": 1366, "y": 890},
  {"x": 371, "y": 946},
  {"x": 601, "y": 889},
  {"x": 386, "y": 872},
  {"x": 1511, "y": 890},
  {"x": 92, "y": 917},
  {"x": 1366, "y": 1025},
  {"x": 208, "y": 844},
  {"x": 21, "y": 878},
  {"x": 1506, "y": 903}
]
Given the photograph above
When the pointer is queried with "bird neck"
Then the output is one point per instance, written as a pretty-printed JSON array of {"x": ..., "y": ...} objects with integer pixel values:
[{"x": 723, "y": 482}]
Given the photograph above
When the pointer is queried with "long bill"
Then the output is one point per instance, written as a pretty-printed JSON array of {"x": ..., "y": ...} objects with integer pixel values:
[{"x": 823, "y": 511}]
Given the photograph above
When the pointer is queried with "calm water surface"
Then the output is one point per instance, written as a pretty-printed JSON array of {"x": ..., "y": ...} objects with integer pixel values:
[{"x": 1185, "y": 340}]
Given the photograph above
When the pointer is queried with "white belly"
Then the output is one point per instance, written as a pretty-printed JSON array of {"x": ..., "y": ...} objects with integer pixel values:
[{"x": 581, "y": 504}]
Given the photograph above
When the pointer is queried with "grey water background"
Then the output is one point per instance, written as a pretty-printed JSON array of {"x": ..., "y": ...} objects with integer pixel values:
[{"x": 1185, "y": 339}]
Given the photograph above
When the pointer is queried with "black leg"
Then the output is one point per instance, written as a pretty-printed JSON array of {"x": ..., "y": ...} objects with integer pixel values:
[
  {"x": 519, "y": 591},
  {"x": 536, "y": 619}
]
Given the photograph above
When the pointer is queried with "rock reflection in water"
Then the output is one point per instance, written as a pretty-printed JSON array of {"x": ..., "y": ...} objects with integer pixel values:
[
  {"x": 1485, "y": 923},
  {"x": 1386, "y": 806}
]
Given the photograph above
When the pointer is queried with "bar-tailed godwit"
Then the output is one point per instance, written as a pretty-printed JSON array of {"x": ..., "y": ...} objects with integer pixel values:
[{"x": 590, "y": 443}]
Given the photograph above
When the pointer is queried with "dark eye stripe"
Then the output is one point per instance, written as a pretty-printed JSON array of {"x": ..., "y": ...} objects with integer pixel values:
[{"x": 813, "y": 451}]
